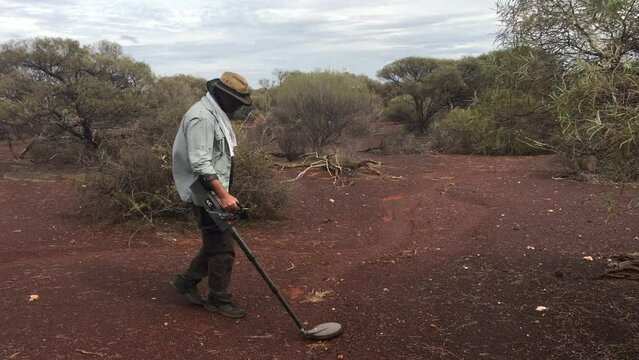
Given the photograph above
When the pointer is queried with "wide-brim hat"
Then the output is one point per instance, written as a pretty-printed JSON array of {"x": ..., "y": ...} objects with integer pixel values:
[{"x": 234, "y": 85}]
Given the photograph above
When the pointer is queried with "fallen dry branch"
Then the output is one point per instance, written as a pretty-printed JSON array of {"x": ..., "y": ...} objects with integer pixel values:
[
  {"x": 331, "y": 163},
  {"x": 379, "y": 147},
  {"x": 624, "y": 266},
  {"x": 89, "y": 353}
]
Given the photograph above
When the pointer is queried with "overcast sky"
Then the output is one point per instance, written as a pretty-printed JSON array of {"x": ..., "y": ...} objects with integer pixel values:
[{"x": 254, "y": 37}]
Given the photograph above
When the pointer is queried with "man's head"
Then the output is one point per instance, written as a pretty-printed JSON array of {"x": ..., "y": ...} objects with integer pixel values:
[{"x": 230, "y": 91}]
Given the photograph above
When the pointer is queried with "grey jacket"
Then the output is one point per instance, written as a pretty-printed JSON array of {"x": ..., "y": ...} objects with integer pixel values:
[{"x": 200, "y": 148}]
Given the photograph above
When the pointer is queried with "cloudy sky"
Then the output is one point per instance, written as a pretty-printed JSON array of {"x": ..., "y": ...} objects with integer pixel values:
[{"x": 254, "y": 37}]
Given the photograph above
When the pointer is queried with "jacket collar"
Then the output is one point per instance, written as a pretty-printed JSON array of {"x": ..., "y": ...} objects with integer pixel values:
[{"x": 211, "y": 105}]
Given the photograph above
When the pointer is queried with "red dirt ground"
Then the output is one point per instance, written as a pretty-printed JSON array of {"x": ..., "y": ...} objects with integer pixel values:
[{"x": 439, "y": 265}]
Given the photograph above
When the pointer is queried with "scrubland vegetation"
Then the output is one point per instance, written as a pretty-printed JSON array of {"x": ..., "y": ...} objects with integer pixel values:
[{"x": 565, "y": 80}]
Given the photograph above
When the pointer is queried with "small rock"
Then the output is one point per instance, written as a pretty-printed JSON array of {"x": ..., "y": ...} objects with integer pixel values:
[
  {"x": 541, "y": 308},
  {"x": 588, "y": 258},
  {"x": 34, "y": 297}
]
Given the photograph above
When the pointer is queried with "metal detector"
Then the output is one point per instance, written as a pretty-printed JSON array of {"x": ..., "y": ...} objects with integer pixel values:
[{"x": 224, "y": 221}]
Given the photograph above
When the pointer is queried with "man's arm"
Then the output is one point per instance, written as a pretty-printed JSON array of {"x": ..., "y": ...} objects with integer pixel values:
[
  {"x": 199, "y": 138},
  {"x": 199, "y": 142}
]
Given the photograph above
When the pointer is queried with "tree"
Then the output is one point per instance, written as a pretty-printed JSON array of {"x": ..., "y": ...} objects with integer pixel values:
[
  {"x": 56, "y": 88},
  {"x": 434, "y": 85},
  {"x": 605, "y": 32}
]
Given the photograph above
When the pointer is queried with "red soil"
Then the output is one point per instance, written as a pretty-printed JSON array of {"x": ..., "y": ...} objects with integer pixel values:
[{"x": 449, "y": 263}]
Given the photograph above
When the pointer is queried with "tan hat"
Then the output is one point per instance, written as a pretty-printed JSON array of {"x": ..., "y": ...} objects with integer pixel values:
[{"x": 233, "y": 84}]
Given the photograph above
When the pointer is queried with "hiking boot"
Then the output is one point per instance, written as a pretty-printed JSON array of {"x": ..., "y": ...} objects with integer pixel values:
[
  {"x": 190, "y": 293},
  {"x": 228, "y": 310}
]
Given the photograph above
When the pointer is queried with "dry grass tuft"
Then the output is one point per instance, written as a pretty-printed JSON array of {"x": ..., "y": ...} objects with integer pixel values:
[{"x": 316, "y": 296}]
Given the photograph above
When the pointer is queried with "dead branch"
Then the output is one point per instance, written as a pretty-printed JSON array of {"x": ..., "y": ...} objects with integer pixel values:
[
  {"x": 90, "y": 353},
  {"x": 331, "y": 164},
  {"x": 379, "y": 147}
]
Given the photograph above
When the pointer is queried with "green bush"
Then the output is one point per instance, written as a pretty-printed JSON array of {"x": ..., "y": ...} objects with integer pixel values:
[
  {"x": 454, "y": 133},
  {"x": 400, "y": 109},
  {"x": 313, "y": 110},
  {"x": 512, "y": 113},
  {"x": 599, "y": 115},
  {"x": 501, "y": 122}
]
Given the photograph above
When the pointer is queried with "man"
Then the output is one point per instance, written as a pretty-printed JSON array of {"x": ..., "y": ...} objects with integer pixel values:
[{"x": 203, "y": 147}]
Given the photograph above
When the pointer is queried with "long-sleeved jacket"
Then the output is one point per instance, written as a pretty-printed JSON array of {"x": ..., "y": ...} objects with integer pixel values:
[{"x": 200, "y": 148}]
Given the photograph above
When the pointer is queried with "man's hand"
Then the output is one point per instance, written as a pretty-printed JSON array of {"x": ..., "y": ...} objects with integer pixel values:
[{"x": 229, "y": 203}]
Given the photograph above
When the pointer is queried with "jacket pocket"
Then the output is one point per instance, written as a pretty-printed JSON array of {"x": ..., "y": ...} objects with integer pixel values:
[{"x": 218, "y": 145}]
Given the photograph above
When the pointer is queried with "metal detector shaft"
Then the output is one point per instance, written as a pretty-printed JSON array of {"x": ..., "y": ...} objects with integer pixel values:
[
  {"x": 224, "y": 222},
  {"x": 249, "y": 254}
]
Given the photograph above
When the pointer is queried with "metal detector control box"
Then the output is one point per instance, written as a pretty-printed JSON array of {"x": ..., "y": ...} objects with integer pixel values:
[{"x": 224, "y": 220}]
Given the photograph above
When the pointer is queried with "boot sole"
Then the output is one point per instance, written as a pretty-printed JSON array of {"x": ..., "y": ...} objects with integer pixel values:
[{"x": 216, "y": 310}]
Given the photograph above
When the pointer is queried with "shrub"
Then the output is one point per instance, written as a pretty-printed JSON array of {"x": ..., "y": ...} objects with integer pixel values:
[
  {"x": 599, "y": 116},
  {"x": 291, "y": 141},
  {"x": 501, "y": 123},
  {"x": 135, "y": 182},
  {"x": 56, "y": 151},
  {"x": 257, "y": 185},
  {"x": 315, "y": 109},
  {"x": 454, "y": 134},
  {"x": 404, "y": 143},
  {"x": 514, "y": 110},
  {"x": 130, "y": 174},
  {"x": 130, "y": 177}
]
